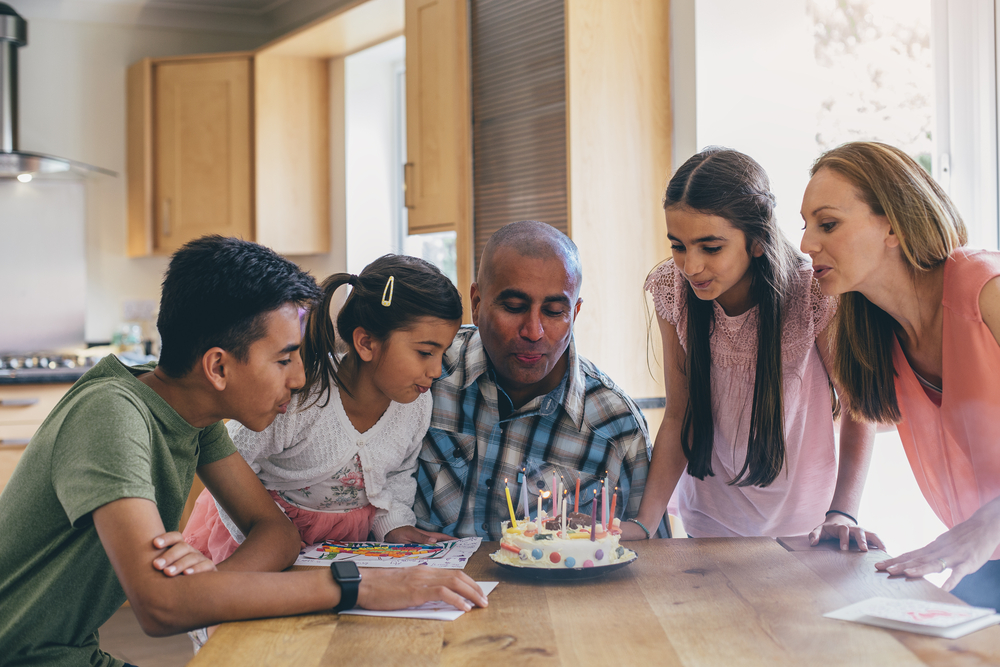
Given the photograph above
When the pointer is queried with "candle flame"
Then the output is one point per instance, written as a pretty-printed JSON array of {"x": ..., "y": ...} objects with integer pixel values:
[{"x": 545, "y": 494}]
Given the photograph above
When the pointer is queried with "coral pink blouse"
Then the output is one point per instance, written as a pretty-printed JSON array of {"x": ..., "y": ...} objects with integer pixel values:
[{"x": 954, "y": 448}]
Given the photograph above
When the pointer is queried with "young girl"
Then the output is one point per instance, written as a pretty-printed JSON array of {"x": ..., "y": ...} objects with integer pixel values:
[
  {"x": 749, "y": 405},
  {"x": 341, "y": 464}
]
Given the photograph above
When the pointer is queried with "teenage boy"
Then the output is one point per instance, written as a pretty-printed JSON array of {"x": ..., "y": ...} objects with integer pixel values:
[{"x": 84, "y": 519}]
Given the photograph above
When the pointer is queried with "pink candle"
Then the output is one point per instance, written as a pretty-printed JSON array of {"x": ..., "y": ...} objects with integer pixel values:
[
  {"x": 614, "y": 501},
  {"x": 576, "y": 503},
  {"x": 593, "y": 519},
  {"x": 604, "y": 505},
  {"x": 555, "y": 511}
]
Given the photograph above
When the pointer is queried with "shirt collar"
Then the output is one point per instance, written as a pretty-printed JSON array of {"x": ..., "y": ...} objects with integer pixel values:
[{"x": 569, "y": 393}]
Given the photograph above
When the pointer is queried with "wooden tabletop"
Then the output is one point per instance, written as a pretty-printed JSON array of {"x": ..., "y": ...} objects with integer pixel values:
[{"x": 742, "y": 601}]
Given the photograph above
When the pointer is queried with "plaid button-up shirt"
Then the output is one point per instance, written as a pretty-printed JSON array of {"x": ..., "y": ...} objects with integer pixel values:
[{"x": 585, "y": 428}]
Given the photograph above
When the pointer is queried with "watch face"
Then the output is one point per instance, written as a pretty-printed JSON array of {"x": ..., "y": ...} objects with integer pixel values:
[{"x": 345, "y": 571}]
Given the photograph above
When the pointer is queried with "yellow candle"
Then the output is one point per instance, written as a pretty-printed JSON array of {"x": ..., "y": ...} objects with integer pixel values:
[{"x": 510, "y": 506}]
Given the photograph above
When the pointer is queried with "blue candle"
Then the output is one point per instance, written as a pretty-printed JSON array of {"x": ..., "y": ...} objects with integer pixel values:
[{"x": 524, "y": 498}]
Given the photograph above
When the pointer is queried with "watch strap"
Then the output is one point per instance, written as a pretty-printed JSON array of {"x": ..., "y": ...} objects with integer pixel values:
[{"x": 348, "y": 590}]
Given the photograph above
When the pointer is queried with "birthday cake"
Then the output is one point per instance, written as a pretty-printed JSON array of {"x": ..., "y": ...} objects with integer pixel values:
[{"x": 551, "y": 543}]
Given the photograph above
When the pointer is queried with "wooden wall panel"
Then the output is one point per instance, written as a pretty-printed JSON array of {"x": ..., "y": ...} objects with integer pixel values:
[
  {"x": 519, "y": 114},
  {"x": 292, "y": 153},
  {"x": 618, "y": 72}
]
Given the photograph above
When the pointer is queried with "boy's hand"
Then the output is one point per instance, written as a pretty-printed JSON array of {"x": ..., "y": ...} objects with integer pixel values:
[
  {"x": 179, "y": 557},
  {"x": 386, "y": 588},
  {"x": 413, "y": 535}
]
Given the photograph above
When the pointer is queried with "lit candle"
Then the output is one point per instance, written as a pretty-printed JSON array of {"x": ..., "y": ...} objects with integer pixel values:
[
  {"x": 540, "y": 512},
  {"x": 524, "y": 498},
  {"x": 604, "y": 504},
  {"x": 614, "y": 501},
  {"x": 593, "y": 519},
  {"x": 576, "y": 503},
  {"x": 510, "y": 505},
  {"x": 564, "y": 519}
]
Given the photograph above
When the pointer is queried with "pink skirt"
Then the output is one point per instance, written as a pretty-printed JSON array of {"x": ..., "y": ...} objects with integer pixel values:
[{"x": 206, "y": 532}]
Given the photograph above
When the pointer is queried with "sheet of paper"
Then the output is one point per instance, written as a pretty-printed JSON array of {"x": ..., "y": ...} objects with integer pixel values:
[
  {"x": 450, "y": 554},
  {"x": 431, "y": 611},
  {"x": 921, "y": 616}
]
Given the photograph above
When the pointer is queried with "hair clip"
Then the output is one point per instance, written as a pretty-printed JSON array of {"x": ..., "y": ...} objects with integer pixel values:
[{"x": 389, "y": 285}]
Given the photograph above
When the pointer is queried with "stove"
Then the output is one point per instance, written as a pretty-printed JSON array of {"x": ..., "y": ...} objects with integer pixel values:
[{"x": 43, "y": 367}]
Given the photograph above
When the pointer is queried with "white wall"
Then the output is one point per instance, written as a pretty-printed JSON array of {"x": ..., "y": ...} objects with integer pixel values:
[
  {"x": 743, "y": 91},
  {"x": 372, "y": 154},
  {"x": 72, "y": 86}
]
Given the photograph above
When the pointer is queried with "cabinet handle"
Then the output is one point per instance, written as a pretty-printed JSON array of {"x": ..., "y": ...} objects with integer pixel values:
[
  {"x": 165, "y": 217},
  {"x": 17, "y": 402},
  {"x": 407, "y": 173},
  {"x": 14, "y": 442}
]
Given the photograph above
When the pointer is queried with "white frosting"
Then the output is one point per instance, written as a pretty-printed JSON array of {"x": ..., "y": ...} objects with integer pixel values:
[{"x": 551, "y": 549}]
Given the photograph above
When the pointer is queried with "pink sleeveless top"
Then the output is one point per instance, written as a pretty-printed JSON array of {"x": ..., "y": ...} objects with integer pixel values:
[
  {"x": 954, "y": 449},
  {"x": 797, "y": 500}
]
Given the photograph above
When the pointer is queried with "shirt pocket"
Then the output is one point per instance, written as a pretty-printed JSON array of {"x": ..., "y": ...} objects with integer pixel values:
[{"x": 451, "y": 450}]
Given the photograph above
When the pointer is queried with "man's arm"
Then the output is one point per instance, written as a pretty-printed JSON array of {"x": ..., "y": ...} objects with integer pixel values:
[
  {"x": 272, "y": 541},
  {"x": 165, "y": 605}
]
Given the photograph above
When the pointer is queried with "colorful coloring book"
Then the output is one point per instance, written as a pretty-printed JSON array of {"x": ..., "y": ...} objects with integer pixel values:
[{"x": 450, "y": 555}]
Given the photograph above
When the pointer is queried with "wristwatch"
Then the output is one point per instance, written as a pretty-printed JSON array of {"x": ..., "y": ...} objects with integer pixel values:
[{"x": 348, "y": 578}]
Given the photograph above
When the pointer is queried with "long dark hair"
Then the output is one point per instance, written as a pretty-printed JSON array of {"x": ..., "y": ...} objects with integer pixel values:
[
  {"x": 928, "y": 227},
  {"x": 733, "y": 186},
  {"x": 389, "y": 295}
]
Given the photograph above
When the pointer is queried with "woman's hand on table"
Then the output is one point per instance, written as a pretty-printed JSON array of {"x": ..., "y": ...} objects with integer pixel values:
[
  {"x": 964, "y": 549},
  {"x": 413, "y": 535},
  {"x": 837, "y": 527},
  {"x": 388, "y": 589},
  {"x": 179, "y": 557}
]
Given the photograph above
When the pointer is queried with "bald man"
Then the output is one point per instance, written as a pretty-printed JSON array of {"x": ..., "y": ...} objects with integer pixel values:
[{"x": 516, "y": 402}]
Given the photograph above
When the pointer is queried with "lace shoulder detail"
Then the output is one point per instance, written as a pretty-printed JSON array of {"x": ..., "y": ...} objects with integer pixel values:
[
  {"x": 807, "y": 312},
  {"x": 667, "y": 286}
]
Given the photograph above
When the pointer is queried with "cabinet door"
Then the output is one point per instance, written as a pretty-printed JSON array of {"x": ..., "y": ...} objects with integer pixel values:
[
  {"x": 202, "y": 151},
  {"x": 438, "y": 116}
]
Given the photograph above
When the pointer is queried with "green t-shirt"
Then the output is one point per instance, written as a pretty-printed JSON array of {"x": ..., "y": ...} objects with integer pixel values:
[{"x": 110, "y": 437}]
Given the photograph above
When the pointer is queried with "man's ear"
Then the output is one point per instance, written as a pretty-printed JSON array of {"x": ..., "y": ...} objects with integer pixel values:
[
  {"x": 213, "y": 366},
  {"x": 576, "y": 308},
  {"x": 364, "y": 344},
  {"x": 475, "y": 298}
]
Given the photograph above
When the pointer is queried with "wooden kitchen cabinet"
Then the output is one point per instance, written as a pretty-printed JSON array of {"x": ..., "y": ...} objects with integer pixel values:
[
  {"x": 190, "y": 151},
  {"x": 23, "y": 407},
  {"x": 194, "y": 131}
]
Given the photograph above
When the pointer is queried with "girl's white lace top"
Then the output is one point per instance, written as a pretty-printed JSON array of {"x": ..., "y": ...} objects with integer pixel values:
[
  {"x": 797, "y": 500},
  {"x": 306, "y": 447}
]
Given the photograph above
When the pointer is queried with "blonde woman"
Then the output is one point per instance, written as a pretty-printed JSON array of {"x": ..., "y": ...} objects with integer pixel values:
[{"x": 917, "y": 342}]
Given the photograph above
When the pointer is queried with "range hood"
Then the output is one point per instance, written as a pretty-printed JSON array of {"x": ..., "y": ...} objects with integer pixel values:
[{"x": 15, "y": 163}]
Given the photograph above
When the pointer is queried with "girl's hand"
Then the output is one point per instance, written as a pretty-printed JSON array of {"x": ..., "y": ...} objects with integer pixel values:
[
  {"x": 179, "y": 557},
  {"x": 413, "y": 535},
  {"x": 837, "y": 527},
  {"x": 398, "y": 588},
  {"x": 631, "y": 531},
  {"x": 964, "y": 549}
]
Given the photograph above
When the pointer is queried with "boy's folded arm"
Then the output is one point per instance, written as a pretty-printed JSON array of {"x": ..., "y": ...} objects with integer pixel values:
[
  {"x": 272, "y": 541},
  {"x": 167, "y": 605}
]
